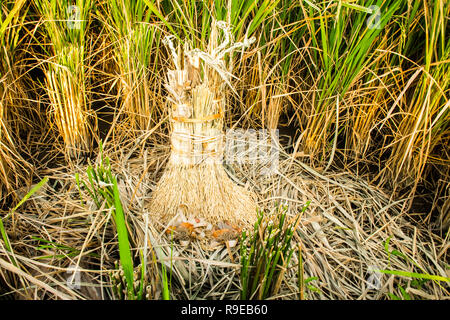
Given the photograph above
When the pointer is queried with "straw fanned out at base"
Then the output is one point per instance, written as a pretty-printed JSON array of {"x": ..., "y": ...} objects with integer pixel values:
[
  {"x": 194, "y": 178},
  {"x": 206, "y": 192}
]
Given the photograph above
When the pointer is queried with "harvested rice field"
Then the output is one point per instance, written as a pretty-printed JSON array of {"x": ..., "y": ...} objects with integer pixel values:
[{"x": 224, "y": 150}]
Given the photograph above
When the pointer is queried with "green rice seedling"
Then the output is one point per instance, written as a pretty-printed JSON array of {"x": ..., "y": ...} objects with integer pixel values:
[
  {"x": 64, "y": 28},
  {"x": 102, "y": 188},
  {"x": 135, "y": 42},
  {"x": 13, "y": 167},
  {"x": 124, "y": 245},
  {"x": 265, "y": 254},
  {"x": 101, "y": 185}
]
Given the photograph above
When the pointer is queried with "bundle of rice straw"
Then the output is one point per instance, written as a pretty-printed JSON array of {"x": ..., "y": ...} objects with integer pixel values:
[{"x": 195, "y": 182}]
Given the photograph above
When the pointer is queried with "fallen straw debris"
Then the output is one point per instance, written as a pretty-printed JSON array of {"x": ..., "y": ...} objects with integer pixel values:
[{"x": 349, "y": 230}]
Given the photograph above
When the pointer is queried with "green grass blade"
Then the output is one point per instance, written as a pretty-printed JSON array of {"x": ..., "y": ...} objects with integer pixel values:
[
  {"x": 30, "y": 193},
  {"x": 415, "y": 275},
  {"x": 5, "y": 236},
  {"x": 5, "y": 23},
  {"x": 155, "y": 10},
  {"x": 165, "y": 283},
  {"x": 27, "y": 196},
  {"x": 124, "y": 244},
  {"x": 141, "y": 285}
]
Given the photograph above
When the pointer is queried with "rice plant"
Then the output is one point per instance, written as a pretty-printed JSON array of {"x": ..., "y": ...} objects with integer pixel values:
[
  {"x": 193, "y": 20},
  {"x": 341, "y": 61},
  {"x": 135, "y": 43},
  {"x": 265, "y": 254},
  {"x": 423, "y": 126},
  {"x": 64, "y": 28},
  {"x": 102, "y": 189},
  {"x": 13, "y": 167}
]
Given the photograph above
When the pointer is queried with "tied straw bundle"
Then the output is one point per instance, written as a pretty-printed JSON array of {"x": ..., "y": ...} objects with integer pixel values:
[{"x": 194, "y": 180}]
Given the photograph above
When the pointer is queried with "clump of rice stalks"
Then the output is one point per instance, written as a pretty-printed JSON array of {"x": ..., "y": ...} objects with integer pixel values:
[
  {"x": 65, "y": 75},
  {"x": 135, "y": 45},
  {"x": 13, "y": 167},
  {"x": 342, "y": 64},
  {"x": 139, "y": 288},
  {"x": 265, "y": 254},
  {"x": 423, "y": 125},
  {"x": 195, "y": 178}
]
